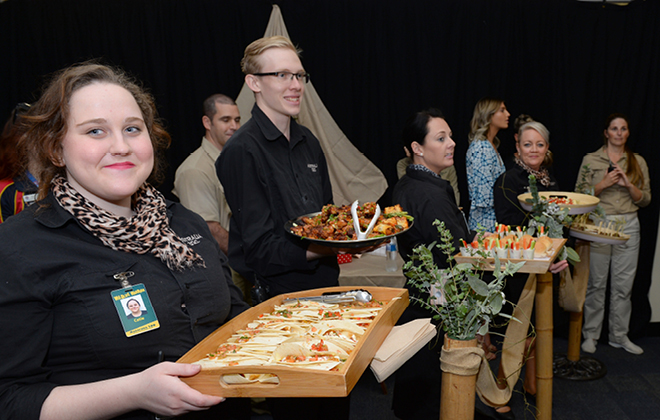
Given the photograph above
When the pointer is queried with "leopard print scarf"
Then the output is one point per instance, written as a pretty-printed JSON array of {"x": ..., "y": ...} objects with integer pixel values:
[
  {"x": 148, "y": 231},
  {"x": 542, "y": 176}
]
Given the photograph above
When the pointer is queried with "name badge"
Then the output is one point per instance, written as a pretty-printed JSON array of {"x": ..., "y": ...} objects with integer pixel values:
[
  {"x": 135, "y": 310},
  {"x": 28, "y": 199}
]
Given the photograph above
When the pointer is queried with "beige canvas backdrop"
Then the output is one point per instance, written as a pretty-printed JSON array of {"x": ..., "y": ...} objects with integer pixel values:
[{"x": 353, "y": 176}]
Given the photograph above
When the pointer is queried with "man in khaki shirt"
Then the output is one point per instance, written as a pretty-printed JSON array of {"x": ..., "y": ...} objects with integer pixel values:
[{"x": 196, "y": 183}]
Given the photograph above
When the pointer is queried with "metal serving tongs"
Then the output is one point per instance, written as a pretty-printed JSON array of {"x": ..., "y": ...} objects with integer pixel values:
[
  {"x": 356, "y": 221},
  {"x": 357, "y": 295}
]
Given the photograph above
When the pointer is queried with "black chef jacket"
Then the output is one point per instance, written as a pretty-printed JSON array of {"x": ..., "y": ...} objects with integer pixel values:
[{"x": 269, "y": 180}]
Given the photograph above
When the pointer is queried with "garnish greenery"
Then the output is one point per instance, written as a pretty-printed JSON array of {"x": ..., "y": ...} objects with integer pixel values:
[
  {"x": 398, "y": 214},
  {"x": 553, "y": 219},
  {"x": 460, "y": 299}
]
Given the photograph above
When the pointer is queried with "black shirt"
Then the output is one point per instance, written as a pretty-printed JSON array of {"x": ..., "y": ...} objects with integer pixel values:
[
  {"x": 269, "y": 180},
  {"x": 59, "y": 321},
  {"x": 507, "y": 188},
  {"x": 427, "y": 197}
]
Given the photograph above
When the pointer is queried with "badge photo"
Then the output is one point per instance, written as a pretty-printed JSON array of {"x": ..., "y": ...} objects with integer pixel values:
[{"x": 135, "y": 310}]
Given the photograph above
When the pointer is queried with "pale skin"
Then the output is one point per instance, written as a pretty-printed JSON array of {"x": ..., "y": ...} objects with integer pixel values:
[
  {"x": 280, "y": 100},
  {"x": 220, "y": 234},
  {"x": 617, "y": 135},
  {"x": 108, "y": 154},
  {"x": 498, "y": 121},
  {"x": 532, "y": 148},
  {"x": 223, "y": 125},
  {"x": 157, "y": 389},
  {"x": 219, "y": 129},
  {"x": 134, "y": 307}
]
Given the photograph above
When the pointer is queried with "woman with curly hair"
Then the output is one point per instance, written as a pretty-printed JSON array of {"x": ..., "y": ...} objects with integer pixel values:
[{"x": 99, "y": 234}]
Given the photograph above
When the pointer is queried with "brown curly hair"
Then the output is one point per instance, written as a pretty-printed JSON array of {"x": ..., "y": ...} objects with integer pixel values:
[{"x": 42, "y": 129}]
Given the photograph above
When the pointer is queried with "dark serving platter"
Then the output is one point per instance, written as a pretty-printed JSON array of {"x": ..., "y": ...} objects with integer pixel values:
[{"x": 357, "y": 243}]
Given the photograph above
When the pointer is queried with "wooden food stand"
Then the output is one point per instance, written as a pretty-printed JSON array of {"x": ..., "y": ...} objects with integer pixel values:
[
  {"x": 296, "y": 381},
  {"x": 544, "y": 322}
]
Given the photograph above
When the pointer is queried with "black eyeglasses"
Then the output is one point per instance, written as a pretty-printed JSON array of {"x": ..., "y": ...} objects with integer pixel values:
[
  {"x": 20, "y": 109},
  {"x": 286, "y": 76}
]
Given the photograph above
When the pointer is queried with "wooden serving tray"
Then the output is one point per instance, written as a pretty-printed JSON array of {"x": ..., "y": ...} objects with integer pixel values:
[
  {"x": 538, "y": 266},
  {"x": 293, "y": 381},
  {"x": 586, "y": 202},
  {"x": 590, "y": 236}
]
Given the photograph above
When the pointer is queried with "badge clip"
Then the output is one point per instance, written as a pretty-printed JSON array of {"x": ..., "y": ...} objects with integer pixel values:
[{"x": 123, "y": 277}]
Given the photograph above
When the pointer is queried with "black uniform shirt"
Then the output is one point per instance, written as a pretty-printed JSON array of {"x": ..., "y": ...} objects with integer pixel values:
[
  {"x": 269, "y": 180},
  {"x": 428, "y": 197},
  {"x": 508, "y": 187},
  {"x": 58, "y": 319}
]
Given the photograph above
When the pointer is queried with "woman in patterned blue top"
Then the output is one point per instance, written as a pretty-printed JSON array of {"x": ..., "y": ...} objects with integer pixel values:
[{"x": 483, "y": 163}]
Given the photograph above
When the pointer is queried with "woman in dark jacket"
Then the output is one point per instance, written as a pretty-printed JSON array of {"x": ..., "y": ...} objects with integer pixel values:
[
  {"x": 99, "y": 234},
  {"x": 427, "y": 197},
  {"x": 533, "y": 158}
]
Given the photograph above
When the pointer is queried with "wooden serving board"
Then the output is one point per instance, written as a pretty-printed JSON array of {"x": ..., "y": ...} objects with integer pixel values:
[
  {"x": 294, "y": 381},
  {"x": 538, "y": 266},
  {"x": 586, "y": 203}
]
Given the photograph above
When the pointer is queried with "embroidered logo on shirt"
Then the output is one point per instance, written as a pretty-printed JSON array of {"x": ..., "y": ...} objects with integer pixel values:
[
  {"x": 192, "y": 240},
  {"x": 313, "y": 166}
]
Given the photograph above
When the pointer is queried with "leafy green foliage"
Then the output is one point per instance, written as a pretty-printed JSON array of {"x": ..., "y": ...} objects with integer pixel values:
[
  {"x": 398, "y": 214},
  {"x": 458, "y": 296},
  {"x": 552, "y": 218}
]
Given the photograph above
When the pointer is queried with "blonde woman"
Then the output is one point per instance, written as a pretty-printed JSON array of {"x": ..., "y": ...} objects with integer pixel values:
[{"x": 483, "y": 162}]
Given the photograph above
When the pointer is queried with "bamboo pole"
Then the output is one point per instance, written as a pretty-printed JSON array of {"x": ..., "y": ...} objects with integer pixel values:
[
  {"x": 574, "y": 333},
  {"x": 544, "y": 345},
  {"x": 458, "y": 392},
  {"x": 581, "y": 271}
]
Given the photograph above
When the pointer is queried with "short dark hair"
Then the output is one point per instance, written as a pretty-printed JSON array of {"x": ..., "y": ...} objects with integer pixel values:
[{"x": 209, "y": 108}]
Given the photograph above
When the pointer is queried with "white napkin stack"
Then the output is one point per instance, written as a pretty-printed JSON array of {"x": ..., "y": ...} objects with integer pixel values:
[{"x": 400, "y": 345}]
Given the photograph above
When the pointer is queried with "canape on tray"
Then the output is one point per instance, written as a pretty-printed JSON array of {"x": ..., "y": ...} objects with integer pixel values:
[{"x": 509, "y": 243}]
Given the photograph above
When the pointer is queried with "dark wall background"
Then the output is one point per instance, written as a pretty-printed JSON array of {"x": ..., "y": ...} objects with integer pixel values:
[{"x": 567, "y": 63}]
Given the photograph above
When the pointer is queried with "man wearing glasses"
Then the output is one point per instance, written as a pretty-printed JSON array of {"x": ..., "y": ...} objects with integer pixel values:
[{"x": 274, "y": 170}]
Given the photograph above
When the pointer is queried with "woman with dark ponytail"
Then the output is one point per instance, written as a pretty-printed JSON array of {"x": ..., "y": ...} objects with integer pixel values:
[{"x": 620, "y": 178}]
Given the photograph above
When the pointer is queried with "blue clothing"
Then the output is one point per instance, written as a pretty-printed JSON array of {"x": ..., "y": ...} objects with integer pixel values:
[
  {"x": 16, "y": 194},
  {"x": 484, "y": 165}
]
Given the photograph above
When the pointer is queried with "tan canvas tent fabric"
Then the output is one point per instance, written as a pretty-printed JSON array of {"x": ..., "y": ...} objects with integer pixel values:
[{"x": 353, "y": 176}]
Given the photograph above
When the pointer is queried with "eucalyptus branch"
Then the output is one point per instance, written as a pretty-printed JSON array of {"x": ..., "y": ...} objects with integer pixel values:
[
  {"x": 458, "y": 296},
  {"x": 553, "y": 219}
]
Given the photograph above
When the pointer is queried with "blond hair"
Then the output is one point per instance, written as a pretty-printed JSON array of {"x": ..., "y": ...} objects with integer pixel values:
[
  {"x": 483, "y": 112},
  {"x": 545, "y": 134},
  {"x": 250, "y": 63}
]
